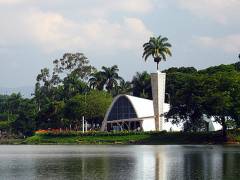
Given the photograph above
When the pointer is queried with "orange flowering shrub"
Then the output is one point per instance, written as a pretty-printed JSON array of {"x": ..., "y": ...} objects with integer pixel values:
[
  {"x": 41, "y": 131},
  {"x": 68, "y": 133},
  {"x": 48, "y": 131}
]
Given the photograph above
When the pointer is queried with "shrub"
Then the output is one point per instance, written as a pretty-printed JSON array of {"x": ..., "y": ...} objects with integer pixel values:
[{"x": 58, "y": 132}]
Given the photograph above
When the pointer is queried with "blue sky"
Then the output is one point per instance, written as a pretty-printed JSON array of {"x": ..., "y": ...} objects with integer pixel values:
[{"x": 35, "y": 32}]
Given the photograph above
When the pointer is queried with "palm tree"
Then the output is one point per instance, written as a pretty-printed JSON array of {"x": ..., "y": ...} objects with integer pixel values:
[
  {"x": 107, "y": 78},
  {"x": 124, "y": 87},
  {"x": 111, "y": 77},
  {"x": 158, "y": 48},
  {"x": 97, "y": 81},
  {"x": 142, "y": 85}
]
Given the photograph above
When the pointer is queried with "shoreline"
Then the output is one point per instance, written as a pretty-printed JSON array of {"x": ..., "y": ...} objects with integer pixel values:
[
  {"x": 23, "y": 142},
  {"x": 126, "y": 138},
  {"x": 118, "y": 143}
]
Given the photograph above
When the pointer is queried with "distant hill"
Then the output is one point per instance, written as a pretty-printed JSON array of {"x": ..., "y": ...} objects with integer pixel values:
[{"x": 25, "y": 91}]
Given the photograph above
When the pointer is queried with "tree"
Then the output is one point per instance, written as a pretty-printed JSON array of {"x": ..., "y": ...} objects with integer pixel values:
[
  {"x": 24, "y": 122},
  {"x": 73, "y": 63},
  {"x": 51, "y": 116},
  {"x": 71, "y": 71},
  {"x": 107, "y": 78},
  {"x": 141, "y": 83},
  {"x": 72, "y": 86},
  {"x": 124, "y": 87},
  {"x": 111, "y": 77},
  {"x": 237, "y": 64},
  {"x": 17, "y": 114},
  {"x": 92, "y": 105},
  {"x": 97, "y": 81},
  {"x": 13, "y": 103},
  {"x": 158, "y": 48},
  {"x": 218, "y": 105},
  {"x": 235, "y": 95},
  {"x": 43, "y": 88},
  {"x": 218, "y": 69},
  {"x": 52, "y": 90},
  {"x": 222, "y": 99},
  {"x": 97, "y": 103},
  {"x": 186, "y": 91},
  {"x": 187, "y": 70},
  {"x": 74, "y": 110}
]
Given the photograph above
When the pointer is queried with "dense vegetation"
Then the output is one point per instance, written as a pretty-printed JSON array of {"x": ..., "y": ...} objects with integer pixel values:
[
  {"x": 214, "y": 92},
  {"x": 73, "y": 88}
]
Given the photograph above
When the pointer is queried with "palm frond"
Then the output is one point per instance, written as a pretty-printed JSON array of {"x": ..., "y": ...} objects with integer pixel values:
[{"x": 157, "y": 47}]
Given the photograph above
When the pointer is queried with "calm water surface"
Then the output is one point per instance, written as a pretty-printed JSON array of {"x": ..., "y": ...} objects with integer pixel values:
[{"x": 119, "y": 162}]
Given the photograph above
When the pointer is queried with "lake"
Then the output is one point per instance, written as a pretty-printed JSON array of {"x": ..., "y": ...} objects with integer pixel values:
[{"x": 23, "y": 162}]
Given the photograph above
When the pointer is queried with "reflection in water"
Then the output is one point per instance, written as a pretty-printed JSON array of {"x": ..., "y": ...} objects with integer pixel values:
[
  {"x": 119, "y": 162},
  {"x": 203, "y": 164}
]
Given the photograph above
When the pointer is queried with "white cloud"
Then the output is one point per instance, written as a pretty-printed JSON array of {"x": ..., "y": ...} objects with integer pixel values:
[
  {"x": 141, "y": 6},
  {"x": 105, "y": 8},
  {"x": 93, "y": 6},
  {"x": 52, "y": 31},
  {"x": 222, "y": 11},
  {"x": 229, "y": 43},
  {"x": 39, "y": 23},
  {"x": 10, "y": 1},
  {"x": 18, "y": 2}
]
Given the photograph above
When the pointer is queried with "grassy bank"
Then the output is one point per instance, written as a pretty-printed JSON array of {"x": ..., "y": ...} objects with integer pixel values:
[
  {"x": 11, "y": 141},
  {"x": 151, "y": 138},
  {"x": 132, "y": 138}
]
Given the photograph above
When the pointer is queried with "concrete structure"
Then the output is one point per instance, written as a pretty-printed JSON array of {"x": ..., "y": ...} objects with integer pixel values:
[
  {"x": 212, "y": 125},
  {"x": 158, "y": 92},
  {"x": 131, "y": 113},
  {"x": 135, "y": 114}
]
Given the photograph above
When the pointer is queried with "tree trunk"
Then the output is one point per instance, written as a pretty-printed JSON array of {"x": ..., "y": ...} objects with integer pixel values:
[
  {"x": 157, "y": 60},
  {"x": 224, "y": 129}
]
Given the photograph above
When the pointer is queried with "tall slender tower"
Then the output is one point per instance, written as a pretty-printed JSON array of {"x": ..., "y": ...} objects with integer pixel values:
[{"x": 158, "y": 81}]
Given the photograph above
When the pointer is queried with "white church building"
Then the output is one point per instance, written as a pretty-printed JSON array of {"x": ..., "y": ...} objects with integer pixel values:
[{"x": 133, "y": 113}]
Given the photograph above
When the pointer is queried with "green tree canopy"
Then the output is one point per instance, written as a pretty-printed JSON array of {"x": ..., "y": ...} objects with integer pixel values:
[
  {"x": 107, "y": 78},
  {"x": 141, "y": 84},
  {"x": 92, "y": 106}
]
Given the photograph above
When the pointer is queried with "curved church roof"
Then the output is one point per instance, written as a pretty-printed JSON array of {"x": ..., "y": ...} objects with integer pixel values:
[{"x": 143, "y": 107}]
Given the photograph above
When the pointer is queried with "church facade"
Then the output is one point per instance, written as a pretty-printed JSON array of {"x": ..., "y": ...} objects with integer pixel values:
[{"x": 137, "y": 114}]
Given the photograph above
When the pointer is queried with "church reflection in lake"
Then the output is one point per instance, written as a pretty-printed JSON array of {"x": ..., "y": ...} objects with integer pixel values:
[{"x": 120, "y": 162}]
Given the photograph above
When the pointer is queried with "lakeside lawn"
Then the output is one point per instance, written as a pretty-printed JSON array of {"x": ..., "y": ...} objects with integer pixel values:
[
  {"x": 151, "y": 138},
  {"x": 144, "y": 138}
]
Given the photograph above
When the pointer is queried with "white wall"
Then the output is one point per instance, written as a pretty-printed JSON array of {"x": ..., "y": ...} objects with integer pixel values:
[
  {"x": 168, "y": 126},
  {"x": 148, "y": 124}
]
